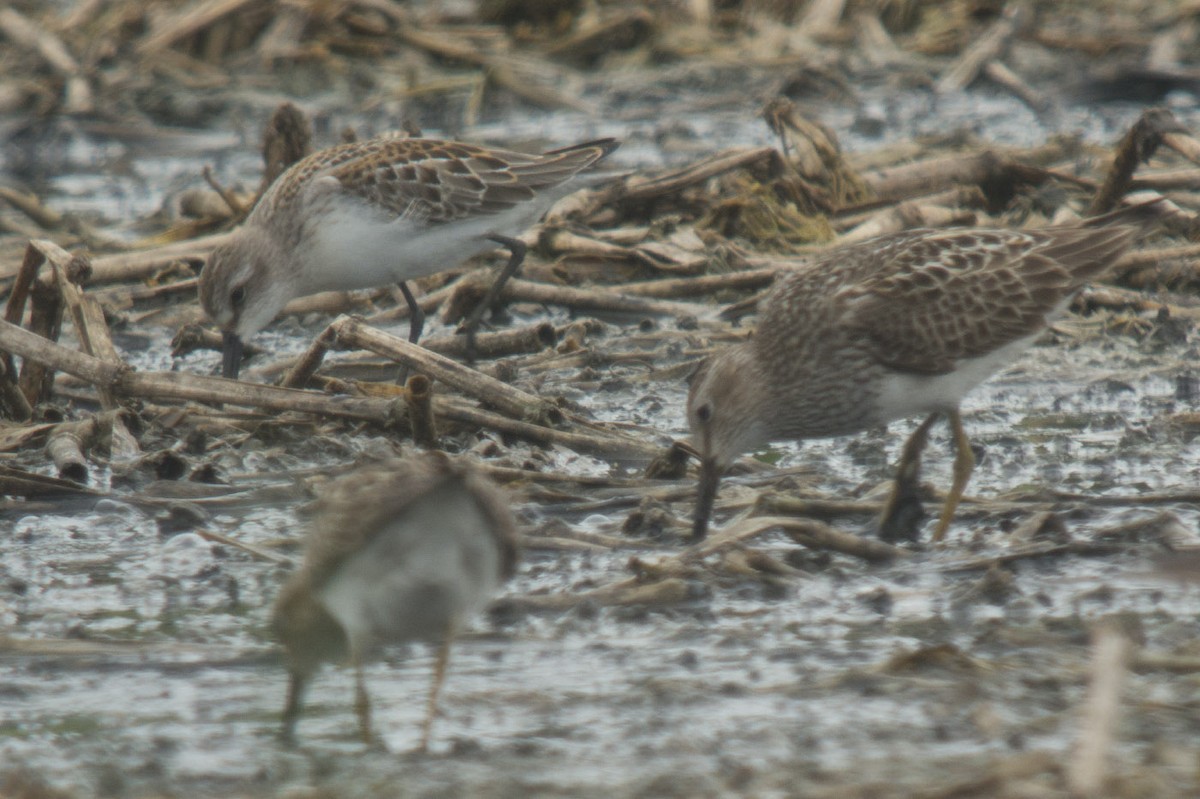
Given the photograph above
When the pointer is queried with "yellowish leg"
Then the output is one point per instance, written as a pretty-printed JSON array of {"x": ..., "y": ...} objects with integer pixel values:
[
  {"x": 964, "y": 464},
  {"x": 898, "y": 520},
  {"x": 362, "y": 702},
  {"x": 439, "y": 677}
]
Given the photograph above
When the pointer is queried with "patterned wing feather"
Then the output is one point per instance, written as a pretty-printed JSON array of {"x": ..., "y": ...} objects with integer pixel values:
[
  {"x": 437, "y": 181},
  {"x": 965, "y": 294}
]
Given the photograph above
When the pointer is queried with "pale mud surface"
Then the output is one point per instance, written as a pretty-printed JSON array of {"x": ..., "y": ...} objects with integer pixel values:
[{"x": 914, "y": 679}]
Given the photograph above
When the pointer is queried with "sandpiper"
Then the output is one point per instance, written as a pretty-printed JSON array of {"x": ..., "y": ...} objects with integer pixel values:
[
  {"x": 382, "y": 211},
  {"x": 399, "y": 551},
  {"x": 898, "y": 325}
]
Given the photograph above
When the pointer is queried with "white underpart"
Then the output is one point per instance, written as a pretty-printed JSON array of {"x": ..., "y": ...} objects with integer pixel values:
[
  {"x": 420, "y": 576},
  {"x": 902, "y": 395},
  {"x": 358, "y": 246}
]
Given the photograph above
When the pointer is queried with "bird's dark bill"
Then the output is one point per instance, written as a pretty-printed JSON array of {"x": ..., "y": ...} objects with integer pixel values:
[
  {"x": 231, "y": 352},
  {"x": 706, "y": 497}
]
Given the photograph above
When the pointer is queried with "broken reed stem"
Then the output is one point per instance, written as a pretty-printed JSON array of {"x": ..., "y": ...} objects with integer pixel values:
[
  {"x": 989, "y": 46},
  {"x": 216, "y": 390},
  {"x": 418, "y": 397},
  {"x": 1138, "y": 144},
  {"x": 1088, "y": 770},
  {"x": 594, "y": 300},
  {"x": 308, "y": 363},
  {"x": 808, "y": 532},
  {"x": 65, "y": 445},
  {"x": 349, "y": 331}
]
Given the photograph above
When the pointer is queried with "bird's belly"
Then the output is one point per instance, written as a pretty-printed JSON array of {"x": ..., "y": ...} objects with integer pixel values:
[
  {"x": 419, "y": 577},
  {"x": 353, "y": 246},
  {"x": 907, "y": 394}
]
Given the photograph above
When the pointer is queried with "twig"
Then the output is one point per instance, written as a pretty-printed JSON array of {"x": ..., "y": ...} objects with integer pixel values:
[{"x": 1088, "y": 770}]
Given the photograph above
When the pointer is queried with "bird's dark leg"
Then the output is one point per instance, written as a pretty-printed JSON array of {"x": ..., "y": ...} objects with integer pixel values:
[
  {"x": 416, "y": 324},
  {"x": 903, "y": 512},
  {"x": 297, "y": 682},
  {"x": 362, "y": 702},
  {"x": 470, "y": 325},
  {"x": 964, "y": 464},
  {"x": 416, "y": 317}
]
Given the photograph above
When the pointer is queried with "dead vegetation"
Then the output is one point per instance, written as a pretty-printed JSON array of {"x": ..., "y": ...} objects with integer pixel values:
[{"x": 658, "y": 244}]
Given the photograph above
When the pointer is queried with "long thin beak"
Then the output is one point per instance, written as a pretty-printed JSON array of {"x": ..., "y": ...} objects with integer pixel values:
[
  {"x": 231, "y": 352},
  {"x": 706, "y": 496}
]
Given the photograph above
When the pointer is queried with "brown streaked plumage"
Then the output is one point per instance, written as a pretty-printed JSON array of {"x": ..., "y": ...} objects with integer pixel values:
[
  {"x": 401, "y": 550},
  {"x": 895, "y": 326},
  {"x": 381, "y": 211}
]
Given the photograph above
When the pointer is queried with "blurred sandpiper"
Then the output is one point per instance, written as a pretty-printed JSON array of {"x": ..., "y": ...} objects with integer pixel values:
[
  {"x": 382, "y": 211},
  {"x": 899, "y": 325},
  {"x": 399, "y": 551}
]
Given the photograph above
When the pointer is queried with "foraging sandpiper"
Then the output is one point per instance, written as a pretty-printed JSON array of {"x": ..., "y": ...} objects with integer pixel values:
[
  {"x": 399, "y": 551},
  {"x": 382, "y": 211},
  {"x": 899, "y": 325}
]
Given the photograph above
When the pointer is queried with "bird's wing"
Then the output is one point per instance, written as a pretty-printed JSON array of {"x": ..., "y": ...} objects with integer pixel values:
[
  {"x": 436, "y": 181},
  {"x": 963, "y": 294}
]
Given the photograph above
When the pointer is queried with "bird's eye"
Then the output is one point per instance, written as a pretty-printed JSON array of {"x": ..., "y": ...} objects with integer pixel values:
[
  {"x": 704, "y": 413},
  {"x": 238, "y": 296}
]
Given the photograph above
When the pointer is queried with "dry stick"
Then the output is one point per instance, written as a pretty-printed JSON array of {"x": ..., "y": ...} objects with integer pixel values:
[
  {"x": 12, "y": 400},
  {"x": 87, "y": 316},
  {"x": 603, "y": 444},
  {"x": 418, "y": 398},
  {"x": 307, "y": 364},
  {"x": 235, "y": 206},
  {"x": 821, "y": 18},
  {"x": 1183, "y": 144},
  {"x": 180, "y": 386},
  {"x": 192, "y": 19},
  {"x": 809, "y": 532},
  {"x": 519, "y": 341},
  {"x": 141, "y": 264},
  {"x": 1168, "y": 180},
  {"x": 987, "y": 47},
  {"x": 15, "y": 399},
  {"x": 905, "y": 216},
  {"x": 638, "y": 188},
  {"x": 779, "y": 504},
  {"x": 77, "y": 95},
  {"x": 17, "y": 482},
  {"x": 957, "y": 197},
  {"x": 192, "y": 337},
  {"x": 818, "y": 535},
  {"x": 944, "y": 172},
  {"x": 32, "y": 207},
  {"x": 1138, "y": 145},
  {"x": 349, "y": 331},
  {"x": 1113, "y": 297},
  {"x": 256, "y": 551},
  {"x": 65, "y": 448},
  {"x": 998, "y": 779},
  {"x": 497, "y": 70},
  {"x": 45, "y": 320},
  {"x": 1088, "y": 770},
  {"x": 1000, "y": 73},
  {"x": 707, "y": 284},
  {"x": 127, "y": 296},
  {"x": 594, "y": 299},
  {"x": 632, "y": 591}
]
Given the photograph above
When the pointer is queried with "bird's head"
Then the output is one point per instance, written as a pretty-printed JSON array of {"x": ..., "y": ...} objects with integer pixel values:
[{"x": 727, "y": 413}]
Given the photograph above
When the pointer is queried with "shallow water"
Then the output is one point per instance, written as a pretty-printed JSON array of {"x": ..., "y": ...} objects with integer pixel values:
[{"x": 145, "y": 665}]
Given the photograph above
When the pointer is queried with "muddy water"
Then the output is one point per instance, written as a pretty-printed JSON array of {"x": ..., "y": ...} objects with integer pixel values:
[{"x": 142, "y": 663}]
